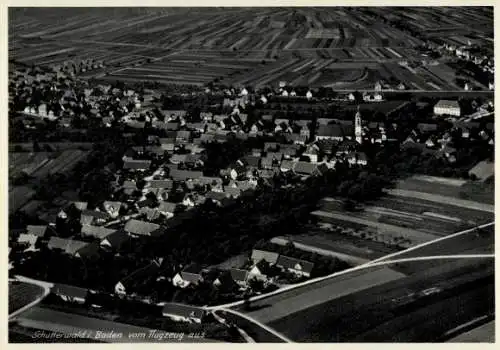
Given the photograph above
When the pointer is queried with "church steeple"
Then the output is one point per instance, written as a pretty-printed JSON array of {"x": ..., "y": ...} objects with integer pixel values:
[{"x": 358, "y": 127}]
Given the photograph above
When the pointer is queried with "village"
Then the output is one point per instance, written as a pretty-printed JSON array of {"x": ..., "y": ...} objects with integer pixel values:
[{"x": 167, "y": 174}]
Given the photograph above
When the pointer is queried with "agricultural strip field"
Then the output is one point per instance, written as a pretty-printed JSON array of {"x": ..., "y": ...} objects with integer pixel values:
[
  {"x": 318, "y": 248},
  {"x": 21, "y": 294},
  {"x": 18, "y": 196},
  {"x": 295, "y": 300},
  {"x": 382, "y": 229},
  {"x": 381, "y": 312},
  {"x": 445, "y": 187},
  {"x": 482, "y": 334},
  {"x": 347, "y": 49},
  {"x": 65, "y": 162}
]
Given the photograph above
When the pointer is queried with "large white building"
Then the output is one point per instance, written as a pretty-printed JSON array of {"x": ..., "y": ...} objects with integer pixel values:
[{"x": 447, "y": 107}]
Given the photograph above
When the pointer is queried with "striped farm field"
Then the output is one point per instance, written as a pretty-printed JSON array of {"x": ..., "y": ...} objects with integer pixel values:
[{"x": 21, "y": 294}]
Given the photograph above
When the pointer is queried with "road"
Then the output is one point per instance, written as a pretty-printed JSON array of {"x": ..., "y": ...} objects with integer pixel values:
[{"x": 389, "y": 312}]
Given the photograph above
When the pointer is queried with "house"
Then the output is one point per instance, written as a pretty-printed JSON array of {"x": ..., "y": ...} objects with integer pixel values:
[
  {"x": 358, "y": 158},
  {"x": 297, "y": 139},
  {"x": 287, "y": 165},
  {"x": 217, "y": 197},
  {"x": 303, "y": 168},
  {"x": 482, "y": 170},
  {"x": 69, "y": 293},
  {"x": 127, "y": 285},
  {"x": 190, "y": 275},
  {"x": 172, "y": 126},
  {"x": 346, "y": 147},
  {"x": 151, "y": 213},
  {"x": 225, "y": 283},
  {"x": 29, "y": 240},
  {"x": 129, "y": 187},
  {"x": 214, "y": 182},
  {"x": 159, "y": 184},
  {"x": 37, "y": 230},
  {"x": 73, "y": 247},
  {"x": 447, "y": 107},
  {"x": 178, "y": 158},
  {"x": 239, "y": 276},
  {"x": 232, "y": 192},
  {"x": 167, "y": 208},
  {"x": 183, "y": 175},
  {"x": 183, "y": 136},
  {"x": 115, "y": 241},
  {"x": 312, "y": 153},
  {"x": 96, "y": 231},
  {"x": 259, "y": 270},
  {"x": 270, "y": 146},
  {"x": 296, "y": 266},
  {"x": 252, "y": 161},
  {"x": 258, "y": 255},
  {"x": 112, "y": 208},
  {"x": 330, "y": 132},
  {"x": 426, "y": 127},
  {"x": 142, "y": 228},
  {"x": 183, "y": 313},
  {"x": 288, "y": 151},
  {"x": 90, "y": 217},
  {"x": 136, "y": 165}
]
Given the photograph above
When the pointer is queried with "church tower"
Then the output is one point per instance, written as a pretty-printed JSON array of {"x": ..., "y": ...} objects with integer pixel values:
[{"x": 357, "y": 127}]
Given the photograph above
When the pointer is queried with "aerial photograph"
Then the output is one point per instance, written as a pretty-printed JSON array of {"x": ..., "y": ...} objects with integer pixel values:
[{"x": 251, "y": 175}]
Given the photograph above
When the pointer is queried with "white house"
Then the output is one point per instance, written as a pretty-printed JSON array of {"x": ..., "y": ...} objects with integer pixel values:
[{"x": 447, "y": 107}]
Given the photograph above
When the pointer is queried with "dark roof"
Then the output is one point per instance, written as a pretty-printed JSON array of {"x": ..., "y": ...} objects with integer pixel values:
[
  {"x": 96, "y": 231},
  {"x": 168, "y": 207},
  {"x": 172, "y": 125},
  {"x": 37, "y": 230},
  {"x": 192, "y": 273},
  {"x": 217, "y": 196},
  {"x": 295, "y": 137},
  {"x": 252, "y": 161},
  {"x": 70, "y": 246},
  {"x": 160, "y": 184},
  {"x": 347, "y": 129},
  {"x": 425, "y": 127},
  {"x": 117, "y": 238},
  {"x": 71, "y": 291},
  {"x": 270, "y": 257},
  {"x": 270, "y": 145},
  {"x": 183, "y": 310},
  {"x": 136, "y": 164},
  {"x": 293, "y": 263},
  {"x": 95, "y": 214},
  {"x": 330, "y": 130},
  {"x": 239, "y": 274},
  {"x": 226, "y": 280},
  {"x": 139, "y": 227},
  {"x": 178, "y": 174}
]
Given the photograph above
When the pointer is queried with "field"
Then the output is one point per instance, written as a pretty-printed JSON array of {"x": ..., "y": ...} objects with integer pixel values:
[
  {"x": 40, "y": 164},
  {"x": 344, "y": 48},
  {"x": 21, "y": 294},
  {"x": 66, "y": 323},
  {"x": 482, "y": 193},
  {"x": 481, "y": 334},
  {"x": 386, "y": 313}
]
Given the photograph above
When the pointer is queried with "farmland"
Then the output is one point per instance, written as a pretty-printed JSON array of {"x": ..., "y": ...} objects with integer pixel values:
[
  {"x": 420, "y": 209},
  {"x": 21, "y": 294},
  {"x": 342, "y": 48}
]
